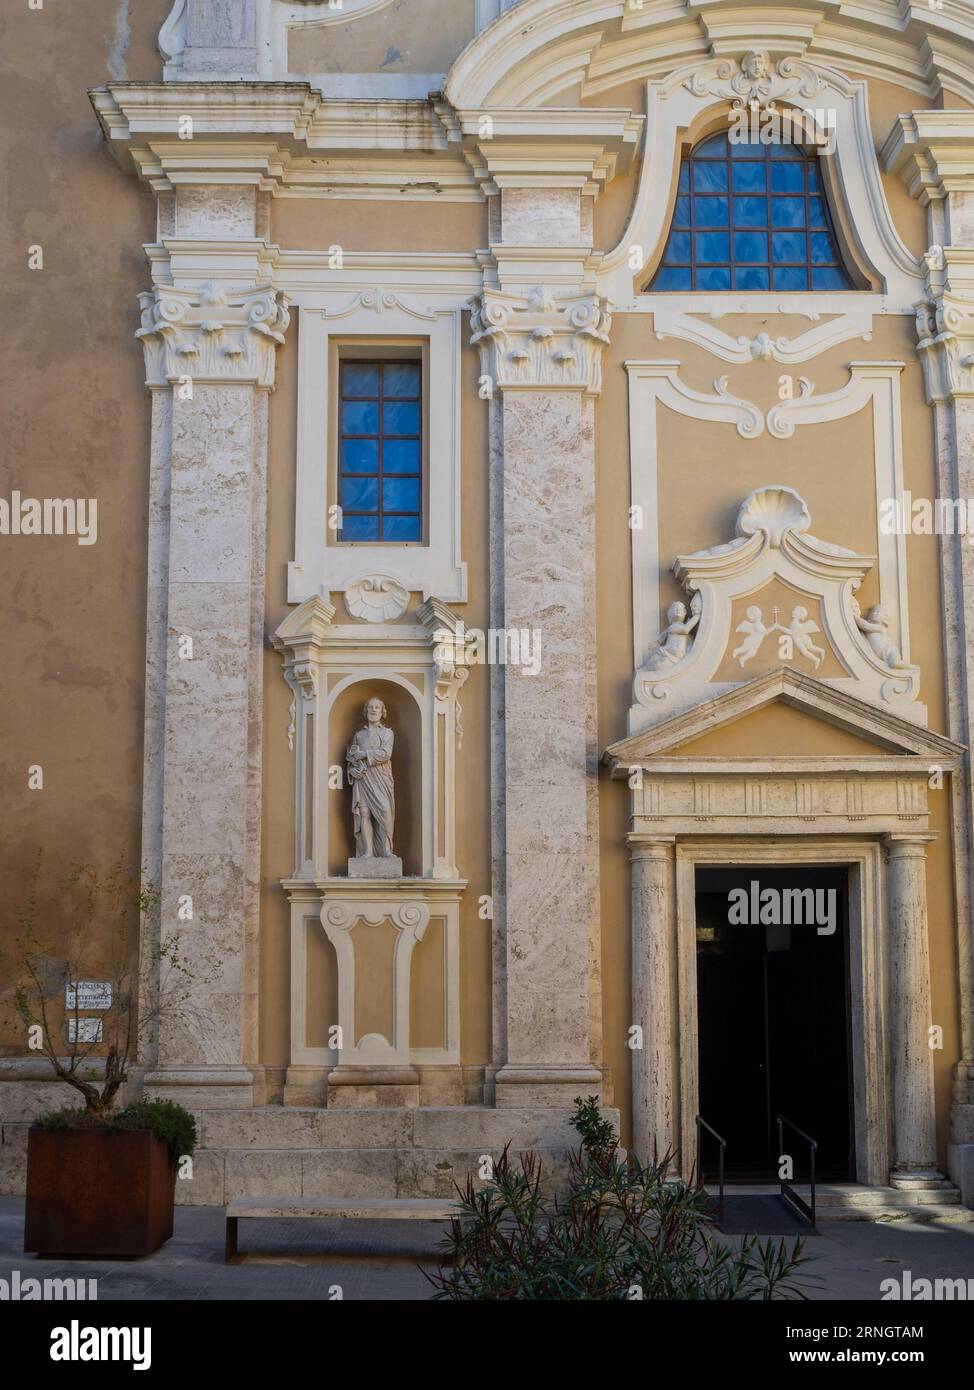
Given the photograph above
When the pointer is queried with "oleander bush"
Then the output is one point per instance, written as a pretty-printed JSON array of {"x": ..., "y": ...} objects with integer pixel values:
[{"x": 623, "y": 1231}]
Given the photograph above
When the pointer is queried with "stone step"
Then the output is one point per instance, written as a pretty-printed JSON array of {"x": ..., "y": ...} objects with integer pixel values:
[
  {"x": 222, "y": 1175},
  {"x": 851, "y": 1202},
  {"x": 459, "y": 1127}
]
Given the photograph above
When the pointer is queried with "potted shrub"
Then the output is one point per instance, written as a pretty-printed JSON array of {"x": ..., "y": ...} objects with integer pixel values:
[
  {"x": 105, "y": 1184},
  {"x": 100, "y": 1180}
]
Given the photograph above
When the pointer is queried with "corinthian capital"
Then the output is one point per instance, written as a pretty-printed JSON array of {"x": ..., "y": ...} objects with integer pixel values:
[
  {"x": 212, "y": 334},
  {"x": 537, "y": 341},
  {"x": 945, "y": 324}
]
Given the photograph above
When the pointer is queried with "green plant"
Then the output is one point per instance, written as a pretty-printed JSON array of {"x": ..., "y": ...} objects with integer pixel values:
[
  {"x": 597, "y": 1134},
  {"x": 167, "y": 1121},
  {"x": 623, "y": 1231}
]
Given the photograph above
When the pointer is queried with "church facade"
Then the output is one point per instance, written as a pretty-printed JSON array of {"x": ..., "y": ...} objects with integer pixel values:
[{"x": 546, "y": 510}]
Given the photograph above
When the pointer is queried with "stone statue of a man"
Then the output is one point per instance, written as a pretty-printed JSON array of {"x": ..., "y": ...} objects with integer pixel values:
[{"x": 369, "y": 762}]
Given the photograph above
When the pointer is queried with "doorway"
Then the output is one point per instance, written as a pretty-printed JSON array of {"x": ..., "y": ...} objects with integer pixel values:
[{"x": 773, "y": 1014}]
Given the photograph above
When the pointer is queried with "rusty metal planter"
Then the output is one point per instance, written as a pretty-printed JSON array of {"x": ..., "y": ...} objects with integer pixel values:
[{"x": 97, "y": 1192}]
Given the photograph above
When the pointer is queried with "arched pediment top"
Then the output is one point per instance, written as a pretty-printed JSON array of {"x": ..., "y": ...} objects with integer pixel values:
[
  {"x": 695, "y": 93},
  {"x": 539, "y": 49}
]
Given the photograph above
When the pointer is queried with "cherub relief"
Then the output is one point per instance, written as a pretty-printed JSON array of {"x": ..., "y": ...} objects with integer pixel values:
[
  {"x": 875, "y": 628},
  {"x": 755, "y": 632},
  {"x": 674, "y": 640}
]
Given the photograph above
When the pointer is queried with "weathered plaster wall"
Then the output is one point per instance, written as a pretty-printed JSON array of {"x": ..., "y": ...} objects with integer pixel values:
[
  {"x": 75, "y": 424},
  {"x": 406, "y": 36}
]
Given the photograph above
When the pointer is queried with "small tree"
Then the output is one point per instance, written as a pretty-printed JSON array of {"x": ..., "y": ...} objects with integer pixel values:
[{"x": 106, "y": 933}]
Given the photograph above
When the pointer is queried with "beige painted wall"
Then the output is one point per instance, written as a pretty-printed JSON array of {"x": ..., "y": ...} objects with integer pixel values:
[{"x": 75, "y": 424}]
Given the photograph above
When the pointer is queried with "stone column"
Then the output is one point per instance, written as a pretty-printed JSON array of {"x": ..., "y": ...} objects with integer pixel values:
[
  {"x": 541, "y": 355},
  {"x": 655, "y": 1108},
  {"x": 210, "y": 357},
  {"x": 911, "y": 1060},
  {"x": 934, "y": 156}
]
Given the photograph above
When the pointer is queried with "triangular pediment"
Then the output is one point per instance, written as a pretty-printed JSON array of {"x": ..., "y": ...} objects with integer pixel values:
[{"x": 860, "y": 729}]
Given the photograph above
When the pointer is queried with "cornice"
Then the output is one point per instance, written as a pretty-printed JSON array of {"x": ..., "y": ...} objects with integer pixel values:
[
  {"x": 932, "y": 152},
  {"x": 287, "y": 138}
]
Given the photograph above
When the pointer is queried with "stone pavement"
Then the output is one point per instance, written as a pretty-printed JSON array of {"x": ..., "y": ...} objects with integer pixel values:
[{"x": 379, "y": 1261}]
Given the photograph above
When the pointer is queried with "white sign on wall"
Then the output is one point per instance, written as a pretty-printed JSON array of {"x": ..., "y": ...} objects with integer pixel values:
[
  {"x": 88, "y": 994},
  {"x": 84, "y": 1030}
]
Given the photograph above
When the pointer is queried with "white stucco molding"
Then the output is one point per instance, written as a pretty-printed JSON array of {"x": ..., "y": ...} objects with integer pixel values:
[
  {"x": 212, "y": 334},
  {"x": 683, "y": 100},
  {"x": 546, "y": 47},
  {"x": 820, "y": 621},
  {"x": 651, "y": 383},
  {"x": 338, "y": 907},
  {"x": 672, "y": 319},
  {"x": 894, "y": 736}
]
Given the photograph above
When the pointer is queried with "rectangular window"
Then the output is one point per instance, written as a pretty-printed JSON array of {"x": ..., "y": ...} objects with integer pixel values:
[{"x": 380, "y": 451}]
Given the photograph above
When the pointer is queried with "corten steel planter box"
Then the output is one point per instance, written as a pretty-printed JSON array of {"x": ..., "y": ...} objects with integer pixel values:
[{"x": 97, "y": 1192}]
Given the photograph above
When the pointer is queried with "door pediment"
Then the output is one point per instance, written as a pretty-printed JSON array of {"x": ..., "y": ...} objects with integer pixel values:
[
  {"x": 886, "y": 737},
  {"x": 875, "y": 779}
]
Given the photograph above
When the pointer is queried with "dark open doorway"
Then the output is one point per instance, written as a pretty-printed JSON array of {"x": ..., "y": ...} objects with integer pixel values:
[{"x": 773, "y": 1014}]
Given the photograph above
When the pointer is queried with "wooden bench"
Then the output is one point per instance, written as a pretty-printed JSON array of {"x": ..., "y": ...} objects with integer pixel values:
[{"x": 332, "y": 1208}]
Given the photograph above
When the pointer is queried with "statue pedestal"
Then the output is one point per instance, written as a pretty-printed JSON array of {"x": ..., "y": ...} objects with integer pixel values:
[{"x": 389, "y": 867}]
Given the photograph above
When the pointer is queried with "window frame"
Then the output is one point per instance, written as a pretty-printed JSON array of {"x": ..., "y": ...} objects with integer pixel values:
[
  {"x": 387, "y": 349},
  {"x": 812, "y": 165},
  {"x": 348, "y": 359}
]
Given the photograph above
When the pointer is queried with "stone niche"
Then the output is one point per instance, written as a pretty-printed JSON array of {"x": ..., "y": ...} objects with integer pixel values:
[{"x": 374, "y": 961}]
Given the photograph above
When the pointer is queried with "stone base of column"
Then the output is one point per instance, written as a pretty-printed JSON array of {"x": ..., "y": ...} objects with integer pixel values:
[
  {"x": 306, "y": 1086},
  {"x": 202, "y": 1088},
  {"x": 373, "y": 1088},
  {"x": 918, "y": 1179},
  {"x": 960, "y": 1166},
  {"x": 517, "y": 1087}
]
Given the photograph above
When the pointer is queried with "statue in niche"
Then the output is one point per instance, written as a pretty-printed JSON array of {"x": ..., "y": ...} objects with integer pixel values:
[
  {"x": 875, "y": 628},
  {"x": 673, "y": 642},
  {"x": 369, "y": 763}
]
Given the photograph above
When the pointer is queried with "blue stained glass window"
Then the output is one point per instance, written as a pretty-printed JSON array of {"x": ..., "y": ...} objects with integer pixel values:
[
  {"x": 380, "y": 451},
  {"x": 750, "y": 217}
]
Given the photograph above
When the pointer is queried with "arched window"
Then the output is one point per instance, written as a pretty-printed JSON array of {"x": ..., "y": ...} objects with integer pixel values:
[{"x": 751, "y": 216}]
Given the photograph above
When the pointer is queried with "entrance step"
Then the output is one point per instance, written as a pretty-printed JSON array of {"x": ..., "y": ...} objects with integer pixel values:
[{"x": 855, "y": 1202}]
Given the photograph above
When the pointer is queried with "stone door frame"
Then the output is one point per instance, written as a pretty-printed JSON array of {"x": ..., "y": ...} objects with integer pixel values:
[{"x": 863, "y": 859}]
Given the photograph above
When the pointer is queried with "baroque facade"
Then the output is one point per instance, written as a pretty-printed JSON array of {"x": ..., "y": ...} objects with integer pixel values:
[{"x": 479, "y": 388}]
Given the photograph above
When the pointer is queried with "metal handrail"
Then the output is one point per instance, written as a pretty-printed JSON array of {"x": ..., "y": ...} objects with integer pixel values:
[
  {"x": 807, "y": 1209},
  {"x": 702, "y": 1124}
]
